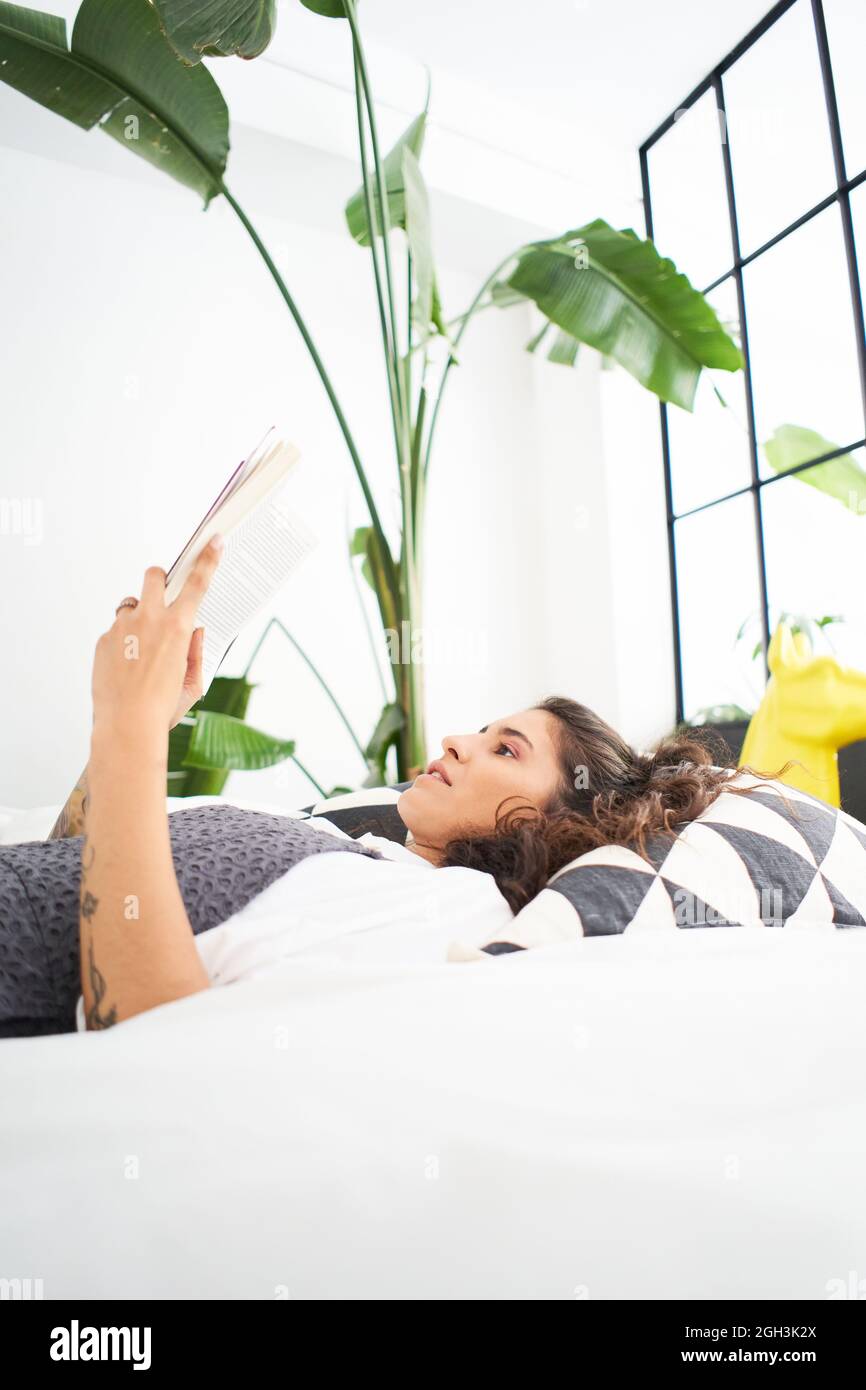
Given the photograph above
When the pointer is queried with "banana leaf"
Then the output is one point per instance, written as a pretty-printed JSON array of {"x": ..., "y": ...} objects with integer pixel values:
[
  {"x": 408, "y": 209},
  {"x": 121, "y": 74},
  {"x": 365, "y": 542},
  {"x": 843, "y": 477},
  {"x": 387, "y": 731},
  {"x": 222, "y": 741},
  {"x": 412, "y": 139},
  {"x": 199, "y": 29},
  {"x": 615, "y": 292},
  {"x": 226, "y": 695},
  {"x": 417, "y": 223},
  {"x": 563, "y": 349},
  {"x": 331, "y": 9}
]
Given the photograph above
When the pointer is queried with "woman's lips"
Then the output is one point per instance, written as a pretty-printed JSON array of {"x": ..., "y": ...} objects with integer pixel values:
[{"x": 435, "y": 777}]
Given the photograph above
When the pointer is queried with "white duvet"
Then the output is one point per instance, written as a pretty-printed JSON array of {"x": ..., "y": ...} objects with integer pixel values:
[{"x": 649, "y": 1116}]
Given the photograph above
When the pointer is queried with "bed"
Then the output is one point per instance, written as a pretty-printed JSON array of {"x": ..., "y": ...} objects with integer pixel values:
[{"x": 669, "y": 1115}]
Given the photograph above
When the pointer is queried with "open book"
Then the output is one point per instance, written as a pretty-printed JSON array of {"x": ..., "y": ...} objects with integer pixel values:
[{"x": 264, "y": 542}]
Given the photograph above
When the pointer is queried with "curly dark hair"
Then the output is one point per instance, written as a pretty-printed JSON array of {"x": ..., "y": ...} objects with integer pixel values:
[{"x": 608, "y": 794}]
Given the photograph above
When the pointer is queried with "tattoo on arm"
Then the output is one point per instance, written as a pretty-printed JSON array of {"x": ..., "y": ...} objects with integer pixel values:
[
  {"x": 96, "y": 1016},
  {"x": 96, "y": 1019},
  {"x": 70, "y": 822}
]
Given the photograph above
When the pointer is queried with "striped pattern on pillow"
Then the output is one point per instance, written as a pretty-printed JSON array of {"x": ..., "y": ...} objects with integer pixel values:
[
  {"x": 774, "y": 858},
  {"x": 369, "y": 809}
]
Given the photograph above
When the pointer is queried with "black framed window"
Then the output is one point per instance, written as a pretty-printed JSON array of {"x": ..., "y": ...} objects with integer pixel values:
[{"x": 755, "y": 186}]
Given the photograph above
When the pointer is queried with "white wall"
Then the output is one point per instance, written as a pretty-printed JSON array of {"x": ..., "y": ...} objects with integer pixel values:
[{"x": 145, "y": 349}]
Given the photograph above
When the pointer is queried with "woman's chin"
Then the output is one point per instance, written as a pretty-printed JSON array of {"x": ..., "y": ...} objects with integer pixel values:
[{"x": 417, "y": 795}]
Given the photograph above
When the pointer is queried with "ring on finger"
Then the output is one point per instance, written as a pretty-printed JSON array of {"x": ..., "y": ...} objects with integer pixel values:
[{"x": 126, "y": 603}]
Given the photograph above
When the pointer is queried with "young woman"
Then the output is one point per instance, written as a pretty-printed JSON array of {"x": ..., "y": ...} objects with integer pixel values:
[{"x": 500, "y": 811}]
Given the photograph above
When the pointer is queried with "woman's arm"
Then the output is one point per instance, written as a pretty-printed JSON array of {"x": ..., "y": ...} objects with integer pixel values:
[
  {"x": 70, "y": 822},
  {"x": 137, "y": 946}
]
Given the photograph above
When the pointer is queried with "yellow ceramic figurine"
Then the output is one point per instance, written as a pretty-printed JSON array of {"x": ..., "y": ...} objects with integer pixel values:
[{"x": 811, "y": 708}]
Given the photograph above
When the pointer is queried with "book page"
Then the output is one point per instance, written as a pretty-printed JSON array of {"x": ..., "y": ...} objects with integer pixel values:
[
  {"x": 251, "y": 481},
  {"x": 264, "y": 541},
  {"x": 260, "y": 553}
]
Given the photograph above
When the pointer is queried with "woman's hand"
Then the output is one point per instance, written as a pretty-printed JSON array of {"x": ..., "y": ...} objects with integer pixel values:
[
  {"x": 193, "y": 682},
  {"x": 147, "y": 666}
]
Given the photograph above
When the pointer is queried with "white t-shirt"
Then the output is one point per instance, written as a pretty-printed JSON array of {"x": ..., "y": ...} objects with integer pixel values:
[{"x": 353, "y": 907}]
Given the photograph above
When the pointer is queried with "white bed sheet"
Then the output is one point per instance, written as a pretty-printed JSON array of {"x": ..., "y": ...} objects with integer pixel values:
[{"x": 648, "y": 1116}]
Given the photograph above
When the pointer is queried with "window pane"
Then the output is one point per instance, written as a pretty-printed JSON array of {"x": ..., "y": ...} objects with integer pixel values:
[
  {"x": 719, "y": 591},
  {"x": 710, "y": 447},
  {"x": 778, "y": 130},
  {"x": 691, "y": 223},
  {"x": 846, "y": 34},
  {"x": 814, "y": 548},
  {"x": 801, "y": 336}
]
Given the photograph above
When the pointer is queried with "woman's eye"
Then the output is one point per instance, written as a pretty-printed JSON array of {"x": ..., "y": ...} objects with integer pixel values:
[{"x": 507, "y": 749}]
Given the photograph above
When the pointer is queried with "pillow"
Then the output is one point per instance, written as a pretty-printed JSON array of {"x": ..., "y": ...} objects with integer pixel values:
[
  {"x": 776, "y": 857},
  {"x": 371, "y": 809}
]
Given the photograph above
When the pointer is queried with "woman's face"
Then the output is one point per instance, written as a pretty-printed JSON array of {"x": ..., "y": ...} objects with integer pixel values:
[{"x": 514, "y": 757}]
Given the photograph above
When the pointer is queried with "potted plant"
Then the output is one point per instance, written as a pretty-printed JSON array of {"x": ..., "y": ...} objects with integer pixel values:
[{"x": 133, "y": 68}]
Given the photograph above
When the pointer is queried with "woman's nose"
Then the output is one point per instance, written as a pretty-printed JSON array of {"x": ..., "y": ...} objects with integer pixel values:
[{"x": 455, "y": 744}]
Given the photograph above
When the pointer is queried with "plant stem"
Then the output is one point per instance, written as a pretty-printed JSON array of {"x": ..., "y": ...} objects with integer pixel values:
[
  {"x": 275, "y": 622},
  {"x": 409, "y": 608},
  {"x": 385, "y": 219},
  {"x": 309, "y": 776},
  {"x": 325, "y": 379},
  {"x": 384, "y": 211},
  {"x": 364, "y": 615},
  {"x": 389, "y": 346},
  {"x": 466, "y": 319},
  {"x": 256, "y": 649},
  {"x": 409, "y": 325}
]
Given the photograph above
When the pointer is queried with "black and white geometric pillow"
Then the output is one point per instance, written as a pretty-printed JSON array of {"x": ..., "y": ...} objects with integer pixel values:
[
  {"x": 773, "y": 858},
  {"x": 776, "y": 857},
  {"x": 371, "y": 809}
]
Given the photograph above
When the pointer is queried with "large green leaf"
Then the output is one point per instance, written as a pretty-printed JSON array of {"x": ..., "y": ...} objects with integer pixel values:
[
  {"x": 331, "y": 9},
  {"x": 562, "y": 348},
  {"x": 365, "y": 542},
  {"x": 226, "y": 695},
  {"x": 843, "y": 477},
  {"x": 417, "y": 221},
  {"x": 615, "y": 292},
  {"x": 120, "y": 73},
  {"x": 392, "y": 172},
  {"x": 409, "y": 209},
  {"x": 360, "y": 545},
  {"x": 222, "y": 741},
  {"x": 217, "y": 28},
  {"x": 503, "y": 296},
  {"x": 387, "y": 731},
  {"x": 199, "y": 29}
]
